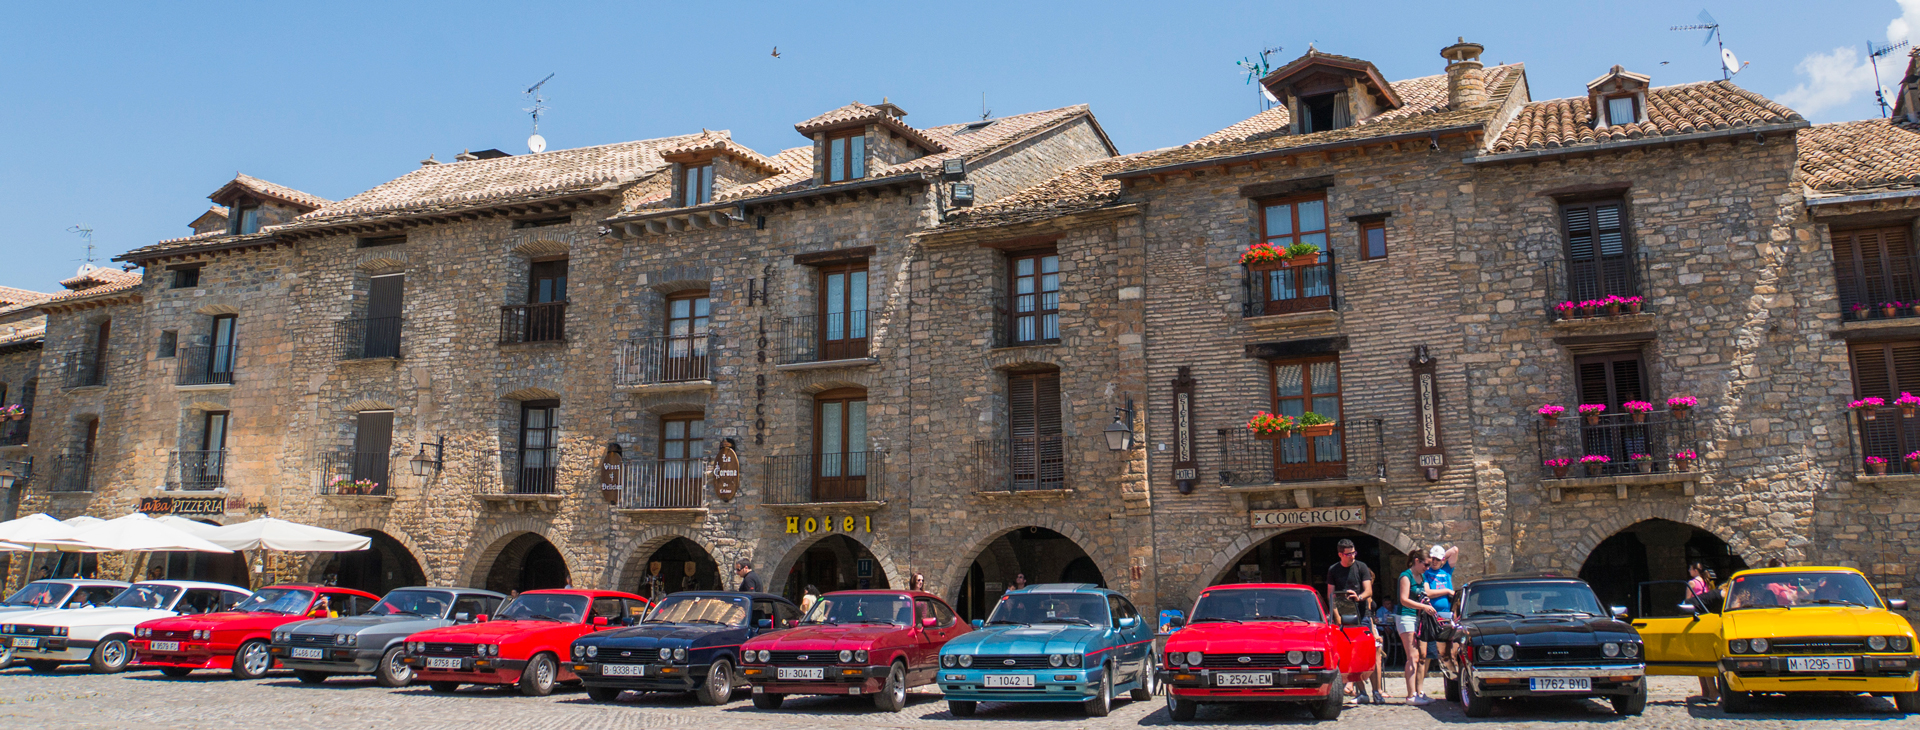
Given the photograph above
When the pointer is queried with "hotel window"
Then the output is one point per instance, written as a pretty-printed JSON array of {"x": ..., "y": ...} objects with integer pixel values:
[
  {"x": 1599, "y": 251},
  {"x": 687, "y": 316},
  {"x": 1283, "y": 223},
  {"x": 372, "y": 447},
  {"x": 1324, "y": 112},
  {"x": 1036, "y": 297},
  {"x": 843, "y": 310},
  {"x": 696, "y": 182},
  {"x": 185, "y": 277},
  {"x": 539, "y": 447},
  {"x": 840, "y": 446},
  {"x": 1612, "y": 379},
  {"x": 1373, "y": 240},
  {"x": 245, "y": 219},
  {"x": 1033, "y": 421},
  {"x": 846, "y": 157},
  {"x": 1884, "y": 370},
  {"x": 1299, "y": 386}
]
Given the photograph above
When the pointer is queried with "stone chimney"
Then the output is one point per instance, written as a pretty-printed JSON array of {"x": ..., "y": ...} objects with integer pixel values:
[
  {"x": 466, "y": 156},
  {"x": 1466, "y": 86}
]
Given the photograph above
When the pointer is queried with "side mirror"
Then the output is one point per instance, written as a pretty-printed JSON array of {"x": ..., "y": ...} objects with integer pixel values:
[
  {"x": 482, "y": 618},
  {"x": 1691, "y": 609},
  {"x": 1619, "y": 612},
  {"x": 977, "y": 623},
  {"x": 1897, "y": 604},
  {"x": 600, "y": 621},
  {"x": 75, "y": 604},
  {"x": 462, "y": 617},
  {"x": 929, "y": 622},
  {"x": 1128, "y": 622},
  {"x": 765, "y": 623}
]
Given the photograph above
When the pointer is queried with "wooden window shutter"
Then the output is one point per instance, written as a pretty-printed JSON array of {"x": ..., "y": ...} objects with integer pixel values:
[
  {"x": 1020, "y": 411},
  {"x": 1046, "y": 404},
  {"x": 1611, "y": 380},
  {"x": 1579, "y": 222},
  {"x": 1627, "y": 383},
  {"x": 1593, "y": 383},
  {"x": 1846, "y": 270},
  {"x": 1870, "y": 374}
]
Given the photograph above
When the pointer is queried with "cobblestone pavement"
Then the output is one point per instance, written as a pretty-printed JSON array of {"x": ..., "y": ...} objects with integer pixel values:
[{"x": 74, "y": 700}]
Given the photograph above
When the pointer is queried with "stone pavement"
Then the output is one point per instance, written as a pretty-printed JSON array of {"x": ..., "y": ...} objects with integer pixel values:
[{"x": 74, "y": 700}]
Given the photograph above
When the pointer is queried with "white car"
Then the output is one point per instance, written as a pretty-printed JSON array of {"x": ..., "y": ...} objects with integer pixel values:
[
  {"x": 52, "y": 593},
  {"x": 98, "y": 636}
]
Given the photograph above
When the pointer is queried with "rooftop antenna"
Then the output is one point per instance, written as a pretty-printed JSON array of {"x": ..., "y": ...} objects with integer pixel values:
[
  {"x": 1257, "y": 70},
  {"x": 985, "y": 113},
  {"x": 1729, "y": 64},
  {"x": 87, "y": 234},
  {"x": 1874, "y": 55},
  {"x": 535, "y": 142}
]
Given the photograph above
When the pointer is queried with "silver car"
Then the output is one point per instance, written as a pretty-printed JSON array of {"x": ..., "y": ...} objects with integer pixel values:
[{"x": 373, "y": 642}]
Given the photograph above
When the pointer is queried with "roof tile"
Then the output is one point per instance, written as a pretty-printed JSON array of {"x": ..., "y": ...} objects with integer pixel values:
[
  {"x": 1671, "y": 110},
  {"x": 1875, "y": 154}
]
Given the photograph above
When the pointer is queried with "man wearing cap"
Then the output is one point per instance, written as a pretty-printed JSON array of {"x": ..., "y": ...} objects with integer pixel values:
[{"x": 1439, "y": 585}]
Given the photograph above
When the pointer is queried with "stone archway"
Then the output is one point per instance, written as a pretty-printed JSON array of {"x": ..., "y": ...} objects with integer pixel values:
[
  {"x": 945, "y": 579},
  {"x": 1233, "y": 553},
  {"x": 1610, "y": 523},
  {"x": 1040, "y": 554},
  {"x": 631, "y": 572},
  {"x": 485, "y": 550},
  {"x": 386, "y": 564},
  {"x": 1643, "y": 566},
  {"x": 792, "y": 548}
]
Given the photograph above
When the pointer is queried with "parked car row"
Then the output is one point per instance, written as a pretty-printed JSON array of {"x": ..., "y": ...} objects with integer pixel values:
[{"x": 1781, "y": 630}]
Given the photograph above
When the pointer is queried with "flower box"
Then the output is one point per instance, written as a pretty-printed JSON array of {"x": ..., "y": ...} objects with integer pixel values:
[
  {"x": 1324, "y": 429},
  {"x": 1312, "y": 259},
  {"x": 1877, "y": 465},
  {"x": 1866, "y": 406},
  {"x": 1559, "y": 467}
]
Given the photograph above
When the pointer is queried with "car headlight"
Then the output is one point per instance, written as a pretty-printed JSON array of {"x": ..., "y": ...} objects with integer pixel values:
[
  {"x": 966, "y": 660},
  {"x": 579, "y": 651},
  {"x": 1485, "y": 652},
  {"x": 1632, "y": 648},
  {"x": 1610, "y": 649},
  {"x": 1877, "y": 643},
  {"x": 1296, "y": 657},
  {"x": 665, "y": 653},
  {"x": 593, "y": 651},
  {"x": 1737, "y": 646},
  {"x": 1759, "y": 645},
  {"x": 339, "y": 639},
  {"x": 1901, "y": 643},
  {"x": 493, "y": 650},
  {"x": 1193, "y": 658},
  {"x": 766, "y": 656},
  {"x": 1056, "y": 659},
  {"x": 1316, "y": 658},
  {"x": 1506, "y": 651},
  {"x": 59, "y": 631},
  {"x": 948, "y": 660},
  {"x": 1073, "y": 660},
  {"x": 860, "y": 655},
  {"x": 845, "y": 656},
  {"x": 680, "y": 655}
]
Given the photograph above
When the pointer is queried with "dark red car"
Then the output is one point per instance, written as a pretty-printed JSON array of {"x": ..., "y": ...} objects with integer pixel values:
[
  {"x": 1262, "y": 642},
  {"x": 524, "y": 645},
  {"x": 238, "y": 638},
  {"x": 853, "y": 643}
]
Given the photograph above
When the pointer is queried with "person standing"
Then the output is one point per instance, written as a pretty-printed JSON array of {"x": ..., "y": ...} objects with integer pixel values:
[
  {"x": 1019, "y": 581},
  {"x": 808, "y": 598},
  {"x": 749, "y": 581},
  {"x": 919, "y": 582},
  {"x": 1413, "y": 602},
  {"x": 1439, "y": 586},
  {"x": 1699, "y": 586},
  {"x": 1349, "y": 595}
]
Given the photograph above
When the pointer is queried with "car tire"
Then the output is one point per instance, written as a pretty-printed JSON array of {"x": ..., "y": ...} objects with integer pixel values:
[
  {"x": 1329, "y": 708},
  {"x": 309, "y": 677},
  {"x": 892, "y": 696},
  {"x": 110, "y": 656},
  {"x": 392, "y": 672},
  {"x": 1734, "y": 703},
  {"x": 538, "y": 678},
  {"x": 1907, "y": 702},
  {"x": 42, "y": 667},
  {"x": 603, "y": 694},
  {"x": 962, "y": 708},
  {"x": 443, "y": 687},
  {"x": 1101, "y": 702},
  {"x": 718, "y": 687},
  {"x": 1453, "y": 690},
  {"x": 1181, "y": 710},
  {"x": 251, "y": 660},
  {"x": 6, "y": 658},
  {"x": 1144, "y": 688},
  {"x": 1633, "y": 704},
  {"x": 1471, "y": 703},
  {"x": 175, "y": 672},
  {"x": 767, "y": 700}
]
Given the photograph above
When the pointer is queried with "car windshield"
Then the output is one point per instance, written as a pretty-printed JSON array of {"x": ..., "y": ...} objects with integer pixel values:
[
  {"x": 432, "y": 604},
  {"x": 143, "y": 595},
  {"x": 1257, "y": 604},
  {"x": 1051, "y": 608},
  {"x": 1800, "y": 588},
  {"x": 545, "y": 607},
  {"x": 861, "y": 609},
  {"x": 285, "y": 601},
  {"x": 722, "y": 610},
  {"x": 1530, "y": 599},
  {"x": 40, "y": 595}
]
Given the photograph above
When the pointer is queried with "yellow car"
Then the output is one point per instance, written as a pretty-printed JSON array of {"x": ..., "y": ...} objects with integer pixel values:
[{"x": 1786, "y": 630}]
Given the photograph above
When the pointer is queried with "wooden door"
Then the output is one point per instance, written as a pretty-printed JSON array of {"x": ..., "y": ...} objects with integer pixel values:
[
  {"x": 843, "y": 311},
  {"x": 385, "y": 302},
  {"x": 372, "y": 446}
]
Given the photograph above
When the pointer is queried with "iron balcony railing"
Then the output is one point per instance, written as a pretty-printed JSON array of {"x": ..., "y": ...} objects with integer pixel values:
[
  {"x": 535, "y": 472},
  {"x": 1021, "y": 463},
  {"x": 1875, "y": 281},
  {"x": 204, "y": 365},
  {"x": 15, "y": 433},
  {"x": 1355, "y": 450},
  {"x": 85, "y": 368},
  {"x": 545, "y": 322},
  {"x": 1595, "y": 280},
  {"x": 1885, "y": 433},
  {"x": 357, "y": 472},
  {"x": 823, "y": 338},
  {"x": 662, "y": 359},
  {"x": 817, "y": 478},
  {"x": 368, "y": 339},
  {"x": 1286, "y": 290},
  {"x": 72, "y": 472},
  {"x": 662, "y": 484},
  {"x": 1619, "y": 437},
  {"x": 198, "y": 471}
]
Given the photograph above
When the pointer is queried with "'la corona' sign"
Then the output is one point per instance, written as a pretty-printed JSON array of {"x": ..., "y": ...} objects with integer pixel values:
[
  {"x": 726, "y": 472},
  {"x": 1268, "y": 518}
]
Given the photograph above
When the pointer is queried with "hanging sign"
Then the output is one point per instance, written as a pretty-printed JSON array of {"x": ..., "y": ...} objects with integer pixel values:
[
  {"x": 1307, "y": 517},
  {"x": 726, "y": 472},
  {"x": 1186, "y": 465},
  {"x": 1426, "y": 394},
  {"x": 610, "y": 467}
]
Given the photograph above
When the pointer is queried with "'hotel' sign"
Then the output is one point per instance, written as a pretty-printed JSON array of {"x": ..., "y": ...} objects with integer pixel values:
[{"x": 1309, "y": 517}]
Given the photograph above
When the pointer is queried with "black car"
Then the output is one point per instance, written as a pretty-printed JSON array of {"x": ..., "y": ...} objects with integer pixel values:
[
  {"x": 689, "y": 642},
  {"x": 1543, "y": 636}
]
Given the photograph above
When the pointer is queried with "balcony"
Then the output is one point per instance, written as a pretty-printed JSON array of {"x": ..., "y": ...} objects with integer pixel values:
[
  {"x": 368, "y": 339},
  {"x": 1884, "y": 433},
  {"x": 1592, "y": 281},
  {"x": 357, "y": 474},
  {"x": 1619, "y": 437},
  {"x": 15, "y": 433},
  {"x": 1353, "y": 456},
  {"x": 72, "y": 472},
  {"x": 663, "y": 484},
  {"x": 808, "y": 479},
  {"x": 1271, "y": 290},
  {"x": 204, "y": 365},
  {"x": 1876, "y": 280},
  {"x": 545, "y": 322},
  {"x": 531, "y": 483},
  {"x": 197, "y": 471},
  {"x": 1021, "y": 464},
  {"x": 84, "y": 369},
  {"x": 662, "y": 360},
  {"x": 838, "y": 338}
]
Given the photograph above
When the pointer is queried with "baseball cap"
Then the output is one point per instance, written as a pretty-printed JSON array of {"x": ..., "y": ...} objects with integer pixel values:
[{"x": 1437, "y": 553}]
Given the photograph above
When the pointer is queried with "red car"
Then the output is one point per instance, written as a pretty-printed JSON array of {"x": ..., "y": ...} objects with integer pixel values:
[
  {"x": 524, "y": 645},
  {"x": 1263, "y": 642},
  {"x": 238, "y": 638},
  {"x": 853, "y": 643}
]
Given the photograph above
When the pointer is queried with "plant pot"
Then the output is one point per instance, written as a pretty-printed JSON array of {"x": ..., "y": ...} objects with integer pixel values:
[
  {"x": 1639, "y": 416},
  {"x": 1560, "y": 472},
  {"x": 611, "y": 495},
  {"x": 1593, "y": 470},
  {"x": 1906, "y": 411},
  {"x": 1271, "y": 435},
  {"x": 1887, "y": 312},
  {"x": 1550, "y": 421},
  {"x": 1588, "y": 311},
  {"x": 1633, "y": 307},
  {"x": 1680, "y": 414},
  {"x": 1683, "y": 465},
  {"x": 1312, "y": 259},
  {"x": 1264, "y": 265},
  {"x": 1916, "y": 310},
  {"x": 1867, "y": 414},
  {"x": 1593, "y": 419},
  {"x": 1613, "y": 310},
  {"x": 1646, "y": 466},
  {"x": 1913, "y": 466},
  {"x": 1877, "y": 469},
  {"x": 1324, "y": 429}
]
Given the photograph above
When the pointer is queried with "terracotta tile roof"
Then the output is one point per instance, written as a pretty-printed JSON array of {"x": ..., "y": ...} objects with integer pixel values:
[
  {"x": 10, "y": 296},
  {"x": 1875, "y": 154},
  {"x": 855, "y": 111},
  {"x": 1080, "y": 189},
  {"x": 858, "y": 113},
  {"x": 722, "y": 142},
  {"x": 196, "y": 241},
  {"x": 266, "y": 189},
  {"x": 24, "y": 336},
  {"x": 1424, "y": 95},
  {"x": 96, "y": 282},
  {"x": 1671, "y": 110}
]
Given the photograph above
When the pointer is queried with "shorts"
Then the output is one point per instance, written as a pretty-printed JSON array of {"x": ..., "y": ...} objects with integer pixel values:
[{"x": 1407, "y": 624}]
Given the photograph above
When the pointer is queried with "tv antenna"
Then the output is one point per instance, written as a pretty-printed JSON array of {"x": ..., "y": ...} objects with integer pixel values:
[
  {"x": 86, "y": 233},
  {"x": 1729, "y": 64},
  {"x": 1874, "y": 55},
  {"x": 1257, "y": 70},
  {"x": 536, "y": 143},
  {"x": 985, "y": 113}
]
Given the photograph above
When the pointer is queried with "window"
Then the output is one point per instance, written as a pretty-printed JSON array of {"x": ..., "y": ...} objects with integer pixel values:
[
  {"x": 1611, "y": 379},
  {"x": 245, "y": 219},
  {"x": 840, "y": 446},
  {"x": 846, "y": 157},
  {"x": 1036, "y": 298},
  {"x": 789, "y": 615},
  {"x": 942, "y": 614},
  {"x": 687, "y": 317},
  {"x": 547, "y": 282},
  {"x": 1599, "y": 261},
  {"x": 683, "y": 448},
  {"x": 186, "y": 277},
  {"x": 609, "y": 608},
  {"x": 696, "y": 184},
  {"x": 372, "y": 446},
  {"x": 762, "y": 611},
  {"x": 94, "y": 370},
  {"x": 206, "y": 468},
  {"x": 1622, "y": 110},
  {"x": 1373, "y": 240},
  {"x": 843, "y": 311},
  {"x": 1874, "y": 265},
  {"x": 1038, "y": 457},
  {"x": 386, "y": 296},
  {"x": 1300, "y": 386},
  {"x": 220, "y": 354},
  {"x": 539, "y": 452},
  {"x": 1885, "y": 369},
  {"x": 169, "y": 343},
  {"x": 1283, "y": 223},
  {"x": 543, "y": 317},
  {"x": 1324, "y": 112},
  {"x": 381, "y": 241},
  {"x": 474, "y": 606}
]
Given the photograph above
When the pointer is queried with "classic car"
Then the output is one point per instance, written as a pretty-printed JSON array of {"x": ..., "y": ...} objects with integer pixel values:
[
  {"x": 1789, "y": 630},
  {"x": 524, "y": 645},
  {"x": 1543, "y": 636},
  {"x": 690, "y": 642},
  {"x": 875, "y": 642},
  {"x": 1262, "y": 642},
  {"x": 371, "y": 643},
  {"x": 101, "y": 636},
  {"x": 1055, "y": 642},
  {"x": 41, "y": 595},
  {"x": 238, "y": 637}
]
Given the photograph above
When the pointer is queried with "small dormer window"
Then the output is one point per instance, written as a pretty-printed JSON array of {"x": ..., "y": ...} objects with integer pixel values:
[
  {"x": 1622, "y": 110},
  {"x": 696, "y": 184},
  {"x": 245, "y": 219},
  {"x": 1324, "y": 112},
  {"x": 846, "y": 157}
]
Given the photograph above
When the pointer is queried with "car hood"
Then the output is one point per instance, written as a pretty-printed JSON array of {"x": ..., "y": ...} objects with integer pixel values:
[
  {"x": 497, "y": 632},
  {"x": 1036, "y": 639},
  {"x": 657, "y": 635},
  {"x": 1551, "y": 630},
  {"x": 1257, "y": 637},
  {"x": 831, "y": 637},
  {"x": 1769, "y": 623},
  {"x": 16, "y": 610},
  {"x": 103, "y": 616},
  {"x": 227, "y": 621},
  {"x": 369, "y": 625}
]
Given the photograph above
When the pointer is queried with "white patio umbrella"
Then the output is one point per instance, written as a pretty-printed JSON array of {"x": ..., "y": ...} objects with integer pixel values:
[
  {"x": 135, "y": 533},
  {"x": 191, "y": 527},
  {"x": 39, "y": 533},
  {"x": 268, "y": 533}
]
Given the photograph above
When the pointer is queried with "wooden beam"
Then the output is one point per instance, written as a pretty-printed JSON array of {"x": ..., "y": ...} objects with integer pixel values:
[
  {"x": 634, "y": 229},
  {"x": 656, "y": 226}
]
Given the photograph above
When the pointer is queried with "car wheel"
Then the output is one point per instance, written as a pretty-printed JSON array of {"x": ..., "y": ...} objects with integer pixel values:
[
  {"x": 393, "y": 672},
  {"x": 718, "y": 688},
  {"x": 1179, "y": 709},
  {"x": 1329, "y": 708},
  {"x": 767, "y": 701},
  {"x": 537, "y": 679},
  {"x": 1734, "y": 703},
  {"x": 961, "y": 708},
  {"x": 42, "y": 667},
  {"x": 1102, "y": 702},
  {"x": 6, "y": 659},
  {"x": 175, "y": 672},
  {"x": 603, "y": 694},
  {"x": 1145, "y": 688},
  {"x": 893, "y": 692},
  {"x": 1471, "y": 702},
  {"x": 443, "y": 686},
  {"x": 309, "y": 677},
  {"x": 1632, "y": 704},
  {"x": 1907, "y": 702},
  {"x": 252, "y": 660},
  {"x": 110, "y": 656}
]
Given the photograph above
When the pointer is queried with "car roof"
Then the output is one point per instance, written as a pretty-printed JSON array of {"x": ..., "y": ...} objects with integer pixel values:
[
  {"x": 883, "y": 592},
  {"x": 589, "y": 592},
  {"x": 1798, "y": 569},
  {"x": 755, "y": 595},
  {"x": 449, "y": 589},
  {"x": 192, "y": 584},
  {"x": 84, "y": 582},
  {"x": 318, "y": 587},
  {"x": 1238, "y": 586},
  {"x": 1063, "y": 588}
]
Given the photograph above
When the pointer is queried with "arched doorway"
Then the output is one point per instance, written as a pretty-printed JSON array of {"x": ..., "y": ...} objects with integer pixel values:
[
  {"x": 679, "y": 565},
  {"x": 1303, "y": 556},
  {"x": 383, "y": 566},
  {"x": 1040, "y": 554},
  {"x": 229, "y": 568},
  {"x": 835, "y": 563},
  {"x": 528, "y": 563},
  {"x": 1644, "y": 567}
]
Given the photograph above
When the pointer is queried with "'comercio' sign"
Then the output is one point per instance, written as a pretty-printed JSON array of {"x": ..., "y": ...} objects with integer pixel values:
[{"x": 1306, "y": 517}]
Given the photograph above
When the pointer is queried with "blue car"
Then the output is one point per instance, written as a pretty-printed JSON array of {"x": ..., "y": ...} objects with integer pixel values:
[
  {"x": 689, "y": 642},
  {"x": 1059, "y": 642}
]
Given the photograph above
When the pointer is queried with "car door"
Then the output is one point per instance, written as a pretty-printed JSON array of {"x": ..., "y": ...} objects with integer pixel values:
[
  {"x": 1682, "y": 645},
  {"x": 1124, "y": 653}
]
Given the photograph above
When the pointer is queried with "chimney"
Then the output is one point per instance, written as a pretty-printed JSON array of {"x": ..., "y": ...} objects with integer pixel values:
[
  {"x": 429, "y": 162},
  {"x": 1466, "y": 87},
  {"x": 466, "y": 156}
]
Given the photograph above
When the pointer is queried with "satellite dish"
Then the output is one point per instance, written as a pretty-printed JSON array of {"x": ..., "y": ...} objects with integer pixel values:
[
  {"x": 84, "y": 268},
  {"x": 1727, "y": 59},
  {"x": 1268, "y": 93},
  {"x": 537, "y": 143}
]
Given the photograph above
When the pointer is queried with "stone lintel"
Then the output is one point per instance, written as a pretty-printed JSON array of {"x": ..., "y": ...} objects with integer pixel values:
[
  {"x": 363, "y": 500},
  {"x": 1686, "y": 480},
  {"x": 820, "y": 508},
  {"x": 1887, "y": 479},
  {"x": 665, "y": 515},
  {"x": 204, "y": 386},
  {"x": 522, "y": 502},
  {"x": 1294, "y": 319},
  {"x": 1877, "y": 328},
  {"x": 1025, "y": 493},
  {"x": 1303, "y": 491},
  {"x": 1603, "y": 324},
  {"x": 684, "y": 386},
  {"x": 858, "y": 362}
]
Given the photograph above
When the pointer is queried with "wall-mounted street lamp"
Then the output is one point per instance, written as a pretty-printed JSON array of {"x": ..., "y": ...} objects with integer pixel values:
[
  {"x": 1120, "y": 432},
  {"x": 424, "y": 465}
]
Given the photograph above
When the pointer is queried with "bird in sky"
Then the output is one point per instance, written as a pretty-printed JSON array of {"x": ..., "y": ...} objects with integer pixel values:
[
  {"x": 776, "y": 51},
  {"x": 1663, "y": 63}
]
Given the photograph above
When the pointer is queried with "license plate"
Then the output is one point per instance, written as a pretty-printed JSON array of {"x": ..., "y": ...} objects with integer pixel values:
[
  {"x": 802, "y": 673},
  {"x": 623, "y": 670},
  {"x": 303, "y": 653},
  {"x": 443, "y": 662},
  {"x": 1009, "y": 680},
  {"x": 1562, "y": 684},
  {"x": 25, "y": 643},
  {"x": 1819, "y": 664},
  {"x": 1243, "y": 679}
]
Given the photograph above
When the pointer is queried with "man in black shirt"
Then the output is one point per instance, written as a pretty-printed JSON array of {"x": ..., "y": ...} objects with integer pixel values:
[
  {"x": 749, "y": 580},
  {"x": 1349, "y": 600}
]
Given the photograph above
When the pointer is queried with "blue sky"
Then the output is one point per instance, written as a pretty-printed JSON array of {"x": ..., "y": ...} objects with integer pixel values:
[{"x": 124, "y": 117}]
